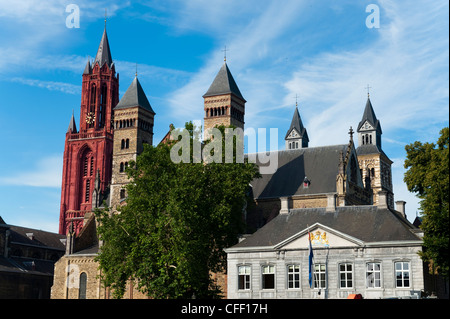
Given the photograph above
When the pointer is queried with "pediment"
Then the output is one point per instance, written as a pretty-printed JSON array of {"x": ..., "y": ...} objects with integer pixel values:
[
  {"x": 322, "y": 237},
  {"x": 294, "y": 134},
  {"x": 366, "y": 126}
]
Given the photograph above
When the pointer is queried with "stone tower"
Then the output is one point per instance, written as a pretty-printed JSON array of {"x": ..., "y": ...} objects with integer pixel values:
[
  {"x": 296, "y": 137},
  {"x": 375, "y": 165},
  {"x": 223, "y": 102},
  {"x": 89, "y": 150},
  {"x": 133, "y": 126}
]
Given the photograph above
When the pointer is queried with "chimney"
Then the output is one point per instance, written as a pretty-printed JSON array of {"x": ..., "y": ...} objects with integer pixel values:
[
  {"x": 331, "y": 202},
  {"x": 400, "y": 207},
  {"x": 382, "y": 199},
  {"x": 284, "y": 205}
]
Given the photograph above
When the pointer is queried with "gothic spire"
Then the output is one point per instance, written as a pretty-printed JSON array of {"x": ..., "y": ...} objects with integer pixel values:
[
  {"x": 369, "y": 116},
  {"x": 72, "y": 126},
  {"x": 103, "y": 52}
]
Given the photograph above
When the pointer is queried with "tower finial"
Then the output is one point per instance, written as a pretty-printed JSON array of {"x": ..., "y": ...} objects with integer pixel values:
[
  {"x": 296, "y": 103},
  {"x": 105, "y": 17},
  {"x": 368, "y": 87},
  {"x": 350, "y": 132},
  {"x": 225, "y": 54},
  {"x": 136, "y": 70}
]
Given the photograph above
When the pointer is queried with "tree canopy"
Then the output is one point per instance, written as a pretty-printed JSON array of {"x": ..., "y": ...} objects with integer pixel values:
[
  {"x": 427, "y": 175},
  {"x": 178, "y": 218}
]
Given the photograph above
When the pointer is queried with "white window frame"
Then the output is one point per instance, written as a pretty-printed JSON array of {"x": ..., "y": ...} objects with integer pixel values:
[
  {"x": 346, "y": 273},
  {"x": 247, "y": 277},
  {"x": 291, "y": 276},
  {"x": 402, "y": 271},
  {"x": 320, "y": 276},
  {"x": 371, "y": 275},
  {"x": 267, "y": 270}
]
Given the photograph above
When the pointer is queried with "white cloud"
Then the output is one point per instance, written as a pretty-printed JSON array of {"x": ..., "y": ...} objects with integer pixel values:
[
  {"x": 50, "y": 85},
  {"x": 47, "y": 173}
]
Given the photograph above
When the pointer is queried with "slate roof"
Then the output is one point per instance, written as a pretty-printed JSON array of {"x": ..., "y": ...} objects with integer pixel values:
[
  {"x": 40, "y": 238},
  {"x": 369, "y": 115},
  {"x": 224, "y": 84},
  {"x": 134, "y": 96},
  {"x": 72, "y": 125},
  {"x": 366, "y": 223},
  {"x": 319, "y": 164},
  {"x": 103, "y": 53},
  {"x": 298, "y": 125}
]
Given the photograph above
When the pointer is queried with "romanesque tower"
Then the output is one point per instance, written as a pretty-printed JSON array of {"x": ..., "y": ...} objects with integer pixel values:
[
  {"x": 223, "y": 102},
  {"x": 89, "y": 150},
  {"x": 375, "y": 165},
  {"x": 133, "y": 126}
]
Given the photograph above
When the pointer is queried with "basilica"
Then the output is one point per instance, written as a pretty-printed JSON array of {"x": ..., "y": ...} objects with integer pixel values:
[{"x": 338, "y": 198}]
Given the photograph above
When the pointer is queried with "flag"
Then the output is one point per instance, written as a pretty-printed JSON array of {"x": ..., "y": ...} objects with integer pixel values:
[{"x": 311, "y": 265}]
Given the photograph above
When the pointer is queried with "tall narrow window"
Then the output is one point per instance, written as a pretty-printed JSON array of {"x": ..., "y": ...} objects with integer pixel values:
[
  {"x": 91, "y": 171},
  {"x": 346, "y": 275},
  {"x": 122, "y": 144},
  {"x": 121, "y": 167},
  {"x": 268, "y": 277},
  {"x": 293, "y": 276},
  {"x": 85, "y": 166},
  {"x": 101, "y": 115},
  {"x": 402, "y": 274},
  {"x": 83, "y": 284},
  {"x": 127, "y": 143},
  {"x": 373, "y": 275},
  {"x": 88, "y": 188},
  {"x": 93, "y": 102},
  {"x": 244, "y": 277},
  {"x": 320, "y": 272}
]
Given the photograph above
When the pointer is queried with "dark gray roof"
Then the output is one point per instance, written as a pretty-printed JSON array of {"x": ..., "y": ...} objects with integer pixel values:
[
  {"x": 224, "y": 84},
  {"x": 318, "y": 164},
  {"x": 134, "y": 96},
  {"x": 87, "y": 68},
  {"x": 72, "y": 125},
  {"x": 369, "y": 115},
  {"x": 298, "y": 125},
  {"x": 366, "y": 223},
  {"x": 103, "y": 52},
  {"x": 40, "y": 237}
]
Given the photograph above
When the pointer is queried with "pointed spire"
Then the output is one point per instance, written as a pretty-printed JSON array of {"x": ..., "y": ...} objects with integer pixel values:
[
  {"x": 297, "y": 124},
  {"x": 369, "y": 116},
  {"x": 103, "y": 52},
  {"x": 72, "y": 126},
  {"x": 134, "y": 96},
  {"x": 87, "y": 69},
  {"x": 224, "y": 84}
]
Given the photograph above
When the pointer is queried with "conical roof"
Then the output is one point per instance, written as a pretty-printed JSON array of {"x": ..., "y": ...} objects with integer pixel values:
[
  {"x": 224, "y": 84},
  {"x": 134, "y": 96},
  {"x": 103, "y": 52}
]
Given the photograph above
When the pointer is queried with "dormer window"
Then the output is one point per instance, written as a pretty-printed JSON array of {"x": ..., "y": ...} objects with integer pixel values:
[{"x": 306, "y": 182}]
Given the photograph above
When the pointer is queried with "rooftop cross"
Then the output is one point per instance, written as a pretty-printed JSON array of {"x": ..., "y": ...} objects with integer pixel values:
[
  {"x": 368, "y": 87},
  {"x": 225, "y": 53}
]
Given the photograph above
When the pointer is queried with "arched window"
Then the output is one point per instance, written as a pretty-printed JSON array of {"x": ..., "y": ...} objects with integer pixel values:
[
  {"x": 296, "y": 144},
  {"x": 370, "y": 137},
  {"x": 127, "y": 143},
  {"x": 121, "y": 167},
  {"x": 83, "y": 284},
  {"x": 122, "y": 145},
  {"x": 290, "y": 145}
]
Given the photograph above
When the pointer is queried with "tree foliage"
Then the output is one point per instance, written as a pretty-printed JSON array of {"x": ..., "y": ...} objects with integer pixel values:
[
  {"x": 177, "y": 220},
  {"x": 428, "y": 177}
]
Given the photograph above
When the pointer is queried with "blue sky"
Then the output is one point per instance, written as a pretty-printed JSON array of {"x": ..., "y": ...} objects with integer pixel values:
[{"x": 320, "y": 50}]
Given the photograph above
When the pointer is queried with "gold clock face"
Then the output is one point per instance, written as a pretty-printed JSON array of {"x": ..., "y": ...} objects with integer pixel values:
[{"x": 90, "y": 118}]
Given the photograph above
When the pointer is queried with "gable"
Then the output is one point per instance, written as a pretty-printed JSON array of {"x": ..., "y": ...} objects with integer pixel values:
[
  {"x": 367, "y": 126},
  {"x": 321, "y": 237},
  {"x": 294, "y": 134}
]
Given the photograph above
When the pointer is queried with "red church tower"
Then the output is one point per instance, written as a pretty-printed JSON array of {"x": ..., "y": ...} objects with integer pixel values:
[{"x": 88, "y": 152}]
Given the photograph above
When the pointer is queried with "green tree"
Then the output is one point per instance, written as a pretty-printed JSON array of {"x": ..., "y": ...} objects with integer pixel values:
[
  {"x": 178, "y": 218},
  {"x": 428, "y": 177}
]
